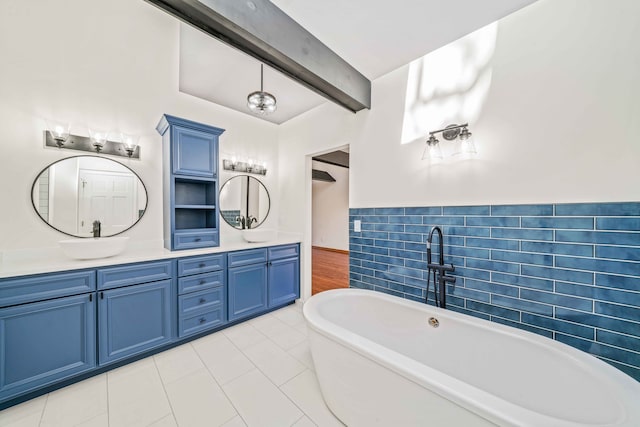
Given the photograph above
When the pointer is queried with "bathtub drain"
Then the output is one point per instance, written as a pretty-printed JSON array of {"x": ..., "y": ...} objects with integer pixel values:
[{"x": 434, "y": 322}]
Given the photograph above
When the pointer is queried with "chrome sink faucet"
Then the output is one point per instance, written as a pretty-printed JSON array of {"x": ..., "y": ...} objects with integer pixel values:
[{"x": 96, "y": 228}]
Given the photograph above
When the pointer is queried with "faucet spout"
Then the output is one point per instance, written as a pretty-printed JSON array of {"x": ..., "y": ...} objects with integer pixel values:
[
  {"x": 440, "y": 270},
  {"x": 96, "y": 228}
]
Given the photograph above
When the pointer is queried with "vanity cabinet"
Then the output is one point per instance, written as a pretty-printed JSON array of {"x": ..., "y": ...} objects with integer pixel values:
[
  {"x": 260, "y": 279},
  {"x": 47, "y": 329},
  {"x": 202, "y": 294},
  {"x": 247, "y": 290},
  {"x": 134, "y": 319},
  {"x": 190, "y": 181},
  {"x": 284, "y": 274},
  {"x": 136, "y": 309},
  {"x": 61, "y": 327}
]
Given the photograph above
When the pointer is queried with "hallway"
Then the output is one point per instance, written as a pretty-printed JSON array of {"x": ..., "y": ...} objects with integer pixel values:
[{"x": 330, "y": 270}]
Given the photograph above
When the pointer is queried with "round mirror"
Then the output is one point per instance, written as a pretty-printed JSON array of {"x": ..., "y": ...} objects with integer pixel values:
[
  {"x": 73, "y": 193},
  {"x": 244, "y": 202}
]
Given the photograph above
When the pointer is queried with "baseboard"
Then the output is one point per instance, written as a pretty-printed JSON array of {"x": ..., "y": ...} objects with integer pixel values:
[{"x": 340, "y": 251}]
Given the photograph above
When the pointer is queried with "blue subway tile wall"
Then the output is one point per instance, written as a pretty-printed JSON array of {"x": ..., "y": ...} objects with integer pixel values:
[{"x": 570, "y": 272}]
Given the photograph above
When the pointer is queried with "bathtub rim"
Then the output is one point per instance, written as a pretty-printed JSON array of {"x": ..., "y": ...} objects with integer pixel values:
[{"x": 476, "y": 400}]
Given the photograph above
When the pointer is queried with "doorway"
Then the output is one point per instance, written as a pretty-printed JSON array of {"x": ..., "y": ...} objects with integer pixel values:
[
  {"x": 107, "y": 197},
  {"x": 330, "y": 220}
]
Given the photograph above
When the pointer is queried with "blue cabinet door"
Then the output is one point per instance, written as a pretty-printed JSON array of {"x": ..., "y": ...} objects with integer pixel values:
[
  {"x": 134, "y": 319},
  {"x": 45, "y": 342},
  {"x": 284, "y": 281},
  {"x": 247, "y": 290},
  {"x": 194, "y": 152}
]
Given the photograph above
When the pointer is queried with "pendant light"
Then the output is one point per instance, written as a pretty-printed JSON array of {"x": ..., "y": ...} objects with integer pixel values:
[{"x": 261, "y": 102}]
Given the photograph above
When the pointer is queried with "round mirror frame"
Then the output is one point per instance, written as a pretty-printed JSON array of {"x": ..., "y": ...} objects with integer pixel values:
[
  {"x": 268, "y": 198},
  {"x": 35, "y": 182}
]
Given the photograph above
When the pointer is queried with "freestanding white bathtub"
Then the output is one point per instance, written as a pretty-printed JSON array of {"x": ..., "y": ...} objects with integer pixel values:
[{"x": 380, "y": 362}]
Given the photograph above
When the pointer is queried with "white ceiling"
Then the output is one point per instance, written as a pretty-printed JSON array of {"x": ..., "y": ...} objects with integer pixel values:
[{"x": 375, "y": 37}]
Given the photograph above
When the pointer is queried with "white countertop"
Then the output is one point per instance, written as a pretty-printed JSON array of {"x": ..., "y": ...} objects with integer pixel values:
[{"x": 48, "y": 260}]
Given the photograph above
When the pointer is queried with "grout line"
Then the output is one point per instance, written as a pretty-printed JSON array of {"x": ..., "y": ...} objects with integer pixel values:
[
  {"x": 173, "y": 414},
  {"x": 220, "y": 385},
  {"x": 46, "y": 401},
  {"x": 106, "y": 380}
]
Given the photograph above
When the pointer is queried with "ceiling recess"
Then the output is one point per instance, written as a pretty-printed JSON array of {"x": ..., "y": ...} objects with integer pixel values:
[
  {"x": 336, "y": 158},
  {"x": 318, "y": 175},
  {"x": 262, "y": 30}
]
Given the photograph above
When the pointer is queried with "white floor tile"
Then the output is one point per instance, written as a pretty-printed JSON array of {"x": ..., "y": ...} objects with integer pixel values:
[
  {"x": 304, "y": 391},
  {"x": 260, "y": 403},
  {"x": 274, "y": 362},
  {"x": 244, "y": 335},
  {"x": 269, "y": 325},
  {"x": 302, "y": 353},
  {"x": 290, "y": 315},
  {"x": 222, "y": 358},
  {"x": 288, "y": 338},
  {"x": 177, "y": 363},
  {"x": 235, "y": 422},
  {"x": 25, "y": 414},
  {"x": 197, "y": 400},
  {"x": 136, "y": 395},
  {"x": 304, "y": 422},
  {"x": 167, "y": 421},
  {"x": 76, "y": 403},
  {"x": 302, "y": 328},
  {"x": 101, "y": 420}
]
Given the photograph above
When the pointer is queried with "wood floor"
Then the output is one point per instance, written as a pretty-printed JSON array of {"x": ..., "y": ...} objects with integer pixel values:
[{"x": 329, "y": 270}]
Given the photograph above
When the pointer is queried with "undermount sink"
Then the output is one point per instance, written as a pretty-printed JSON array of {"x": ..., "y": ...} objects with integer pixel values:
[
  {"x": 255, "y": 235},
  {"x": 93, "y": 248}
]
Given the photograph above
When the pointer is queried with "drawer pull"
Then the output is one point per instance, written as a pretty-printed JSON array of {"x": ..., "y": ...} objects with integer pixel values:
[
  {"x": 202, "y": 300},
  {"x": 202, "y": 320},
  {"x": 203, "y": 281},
  {"x": 202, "y": 265},
  {"x": 197, "y": 239}
]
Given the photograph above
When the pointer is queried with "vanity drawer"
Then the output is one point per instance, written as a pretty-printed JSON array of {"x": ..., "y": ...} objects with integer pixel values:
[
  {"x": 195, "y": 239},
  {"x": 251, "y": 256},
  {"x": 115, "y": 277},
  {"x": 201, "y": 322},
  {"x": 45, "y": 286},
  {"x": 202, "y": 264},
  {"x": 200, "y": 282},
  {"x": 279, "y": 252},
  {"x": 198, "y": 302}
]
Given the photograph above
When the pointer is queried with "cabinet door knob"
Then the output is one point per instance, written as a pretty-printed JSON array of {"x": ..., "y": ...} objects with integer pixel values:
[
  {"x": 202, "y": 320},
  {"x": 202, "y": 265},
  {"x": 197, "y": 239},
  {"x": 202, "y": 300},
  {"x": 202, "y": 281}
]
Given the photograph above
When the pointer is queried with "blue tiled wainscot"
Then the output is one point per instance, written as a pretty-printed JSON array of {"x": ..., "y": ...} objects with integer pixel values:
[{"x": 570, "y": 272}]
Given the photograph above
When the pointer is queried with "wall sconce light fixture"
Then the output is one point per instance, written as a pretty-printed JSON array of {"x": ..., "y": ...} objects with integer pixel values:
[
  {"x": 130, "y": 143},
  {"x": 98, "y": 139},
  {"x": 250, "y": 166},
  {"x": 458, "y": 135},
  {"x": 59, "y": 132},
  {"x": 57, "y": 135}
]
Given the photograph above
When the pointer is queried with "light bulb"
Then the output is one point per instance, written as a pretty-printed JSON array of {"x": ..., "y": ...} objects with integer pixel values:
[
  {"x": 130, "y": 143},
  {"x": 98, "y": 139},
  {"x": 59, "y": 132}
]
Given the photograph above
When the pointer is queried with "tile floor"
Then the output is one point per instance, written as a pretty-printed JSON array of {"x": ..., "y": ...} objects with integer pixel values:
[{"x": 257, "y": 373}]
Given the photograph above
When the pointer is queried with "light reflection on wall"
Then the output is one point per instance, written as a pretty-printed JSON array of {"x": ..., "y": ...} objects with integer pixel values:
[{"x": 449, "y": 85}]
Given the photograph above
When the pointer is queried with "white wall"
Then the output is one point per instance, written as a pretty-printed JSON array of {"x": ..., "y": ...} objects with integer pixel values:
[
  {"x": 330, "y": 208},
  {"x": 112, "y": 65},
  {"x": 559, "y": 123}
]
